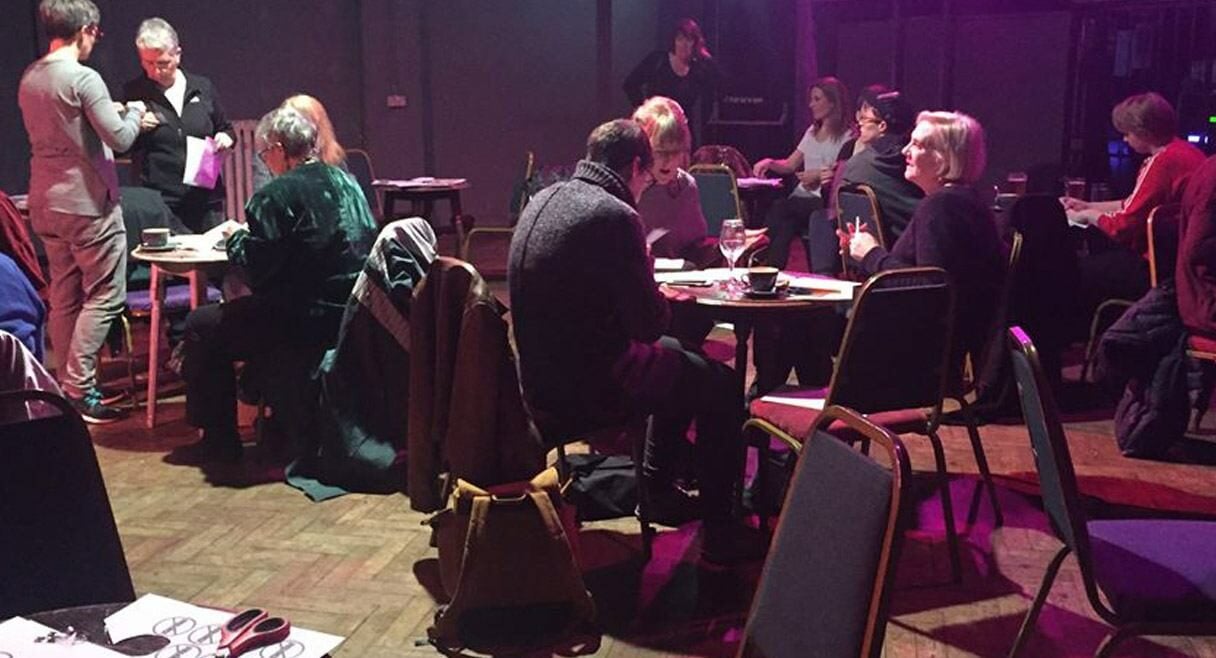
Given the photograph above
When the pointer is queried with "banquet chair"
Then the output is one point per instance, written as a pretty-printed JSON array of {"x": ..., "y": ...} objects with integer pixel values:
[
  {"x": 520, "y": 195},
  {"x": 719, "y": 194},
  {"x": 61, "y": 547},
  {"x": 858, "y": 202},
  {"x": 359, "y": 162},
  {"x": 717, "y": 154},
  {"x": 1163, "y": 224},
  {"x": 465, "y": 413},
  {"x": 1162, "y": 234},
  {"x": 1152, "y": 573},
  {"x": 825, "y": 586},
  {"x": 893, "y": 366}
]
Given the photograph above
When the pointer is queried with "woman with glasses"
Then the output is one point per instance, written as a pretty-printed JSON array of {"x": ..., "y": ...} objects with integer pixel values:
[
  {"x": 308, "y": 234},
  {"x": 670, "y": 203},
  {"x": 180, "y": 105},
  {"x": 74, "y": 128},
  {"x": 952, "y": 227}
]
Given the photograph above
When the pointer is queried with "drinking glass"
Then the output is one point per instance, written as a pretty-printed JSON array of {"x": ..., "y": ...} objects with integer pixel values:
[
  {"x": 1017, "y": 182},
  {"x": 732, "y": 241},
  {"x": 1075, "y": 188}
]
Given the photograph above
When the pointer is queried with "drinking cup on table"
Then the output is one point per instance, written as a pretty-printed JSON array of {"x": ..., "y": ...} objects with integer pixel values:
[
  {"x": 154, "y": 238},
  {"x": 1074, "y": 188},
  {"x": 1017, "y": 182},
  {"x": 762, "y": 278}
]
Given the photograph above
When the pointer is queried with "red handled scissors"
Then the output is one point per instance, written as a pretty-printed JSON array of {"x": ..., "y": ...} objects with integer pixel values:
[{"x": 251, "y": 629}]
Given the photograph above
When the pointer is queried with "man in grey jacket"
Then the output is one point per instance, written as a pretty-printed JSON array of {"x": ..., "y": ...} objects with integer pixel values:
[
  {"x": 74, "y": 128},
  {"x": 588, "y": 321}
]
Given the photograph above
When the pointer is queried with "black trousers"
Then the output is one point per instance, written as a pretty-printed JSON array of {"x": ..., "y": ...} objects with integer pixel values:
[
  {"x": 244, "y": 329},
  {"x": 679, "y": 385},
  {"x": 786, "y": 220}
]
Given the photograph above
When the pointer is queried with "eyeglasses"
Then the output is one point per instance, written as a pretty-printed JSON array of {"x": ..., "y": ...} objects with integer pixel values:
[
  {"x": 94, "y": 31},
  {"x": 864, "y": 120},
  {"x": 262, "y": 151}
]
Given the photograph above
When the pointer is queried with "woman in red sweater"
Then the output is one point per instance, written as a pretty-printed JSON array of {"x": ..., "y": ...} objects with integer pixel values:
[
  {"x": 1149, "y": 126},
  {"x": 1117, "y": 267}
]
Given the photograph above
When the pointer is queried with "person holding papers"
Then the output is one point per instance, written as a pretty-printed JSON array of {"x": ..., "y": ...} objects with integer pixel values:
[
  {"x": 308, "y": 234},
  {"x": 181, "y": 107}
]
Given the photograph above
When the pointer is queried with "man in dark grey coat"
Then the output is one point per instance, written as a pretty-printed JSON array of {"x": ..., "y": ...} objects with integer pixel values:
[
  {"x": 588, "y": 321},
  {"x": 884, "y": 121}
]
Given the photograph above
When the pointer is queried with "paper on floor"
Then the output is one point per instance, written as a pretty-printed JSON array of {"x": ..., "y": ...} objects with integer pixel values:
[
  {"x": 188, "y": 624},
  {"x": 18, "y": 637}
]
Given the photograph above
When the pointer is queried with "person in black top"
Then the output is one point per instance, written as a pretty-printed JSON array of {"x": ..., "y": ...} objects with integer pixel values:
[
  {"x": 884, "y": 121},
  {"x": 686, "y": 73},
  {"x": 179, "y": 106},
  {"x": 952, "y": 227},
  {"x": 588, "y": 321}
]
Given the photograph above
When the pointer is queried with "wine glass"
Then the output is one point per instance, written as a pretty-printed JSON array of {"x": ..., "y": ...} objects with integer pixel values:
[{"x": 732, "y": 241}]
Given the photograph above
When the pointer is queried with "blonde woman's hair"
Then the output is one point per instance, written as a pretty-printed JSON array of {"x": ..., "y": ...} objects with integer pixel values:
[
  {"x": 664, "y": 122},
  {"x": 959, "y": 140},
  {"x": 328, "y": 149}
]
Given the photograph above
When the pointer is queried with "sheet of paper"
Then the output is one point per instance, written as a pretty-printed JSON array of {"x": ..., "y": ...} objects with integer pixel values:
[
  {"x": 655, "y": 235},
  {"x": 186, "y": 624},
  {"x": 203, "y": 163},
  {"x": 668, "y": 264},
  {"x": 19, "y": 638}
]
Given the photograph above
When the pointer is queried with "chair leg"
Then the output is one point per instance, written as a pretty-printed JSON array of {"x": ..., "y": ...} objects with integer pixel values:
[
  {"x": 1107, "y": 648},
  {"x": 639, "y": 470},
  {"x": 952, "y": 543},
  {"x": 1036, "y": 605},
  {"x": 981, "y": 461}
]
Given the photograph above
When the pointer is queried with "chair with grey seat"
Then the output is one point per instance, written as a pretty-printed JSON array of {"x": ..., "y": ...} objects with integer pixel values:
[{"x": 825, "y": 586}]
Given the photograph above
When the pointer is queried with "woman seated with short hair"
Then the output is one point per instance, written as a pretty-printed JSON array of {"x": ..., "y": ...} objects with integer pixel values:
[
  {"x": 952, "y": 227},
  {"x": 671, "y": 202}
]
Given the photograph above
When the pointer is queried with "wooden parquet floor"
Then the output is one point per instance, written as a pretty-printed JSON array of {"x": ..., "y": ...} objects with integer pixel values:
[{"x": 360, "y": 565}]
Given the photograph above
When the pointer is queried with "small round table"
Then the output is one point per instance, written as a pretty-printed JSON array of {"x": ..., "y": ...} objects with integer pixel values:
[
  {"x": 810, "y": 291},
  {"x": 192, "y": 257}
]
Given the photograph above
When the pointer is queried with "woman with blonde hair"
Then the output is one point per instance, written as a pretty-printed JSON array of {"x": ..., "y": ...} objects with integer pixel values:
[
  {"x": 952, "y": 227},
  {"x": 671, "y": 202},
  {"x": 329, "y": 150},
  {"x": 813, "y": 162}
]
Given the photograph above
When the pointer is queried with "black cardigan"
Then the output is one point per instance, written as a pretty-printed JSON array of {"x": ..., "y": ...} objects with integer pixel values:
[{"x": 953, "y": 229}]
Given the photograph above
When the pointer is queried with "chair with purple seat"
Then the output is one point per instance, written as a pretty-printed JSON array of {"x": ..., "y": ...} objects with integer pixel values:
[
  {"x": 893, "y": 366},
  {"x": 1157, "y": 575}
]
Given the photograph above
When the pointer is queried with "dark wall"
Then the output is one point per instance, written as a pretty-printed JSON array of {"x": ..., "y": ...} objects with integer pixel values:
[
  {"x": 17, "y": 48},
  {"x": 1010, "y": 72}
]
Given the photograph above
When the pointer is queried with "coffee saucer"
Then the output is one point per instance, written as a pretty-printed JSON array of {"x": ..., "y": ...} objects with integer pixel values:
[
  {"x": 151, "y": 249},
  {"x": 761, "y": 294}
]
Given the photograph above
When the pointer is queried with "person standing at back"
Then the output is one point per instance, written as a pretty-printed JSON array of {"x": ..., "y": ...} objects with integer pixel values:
[
  {"x": 180, "y": 105},
  {"x": 74, "y": 128}
]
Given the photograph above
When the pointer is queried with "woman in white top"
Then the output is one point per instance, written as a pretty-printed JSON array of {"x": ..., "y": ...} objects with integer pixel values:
[{"x": 812, "y": 162}]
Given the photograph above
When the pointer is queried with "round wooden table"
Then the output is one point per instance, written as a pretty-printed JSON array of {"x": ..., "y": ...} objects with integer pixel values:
[
  {"x": 193, "y": 257},
  {"x": 797, "y": 292}
]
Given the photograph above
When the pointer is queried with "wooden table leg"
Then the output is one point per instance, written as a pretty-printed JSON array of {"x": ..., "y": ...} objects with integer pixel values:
[{"x": 157, "y": 286}]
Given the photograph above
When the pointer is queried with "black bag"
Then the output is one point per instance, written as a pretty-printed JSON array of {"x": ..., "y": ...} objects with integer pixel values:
[{"x": 602, "y": 486}]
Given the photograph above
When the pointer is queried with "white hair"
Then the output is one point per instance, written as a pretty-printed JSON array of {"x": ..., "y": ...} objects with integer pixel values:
[
  {"x": 156, "y": 34},
  {"x": 290, "y": 128}
]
